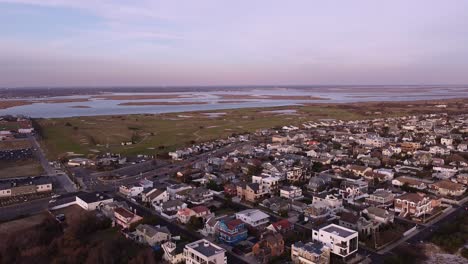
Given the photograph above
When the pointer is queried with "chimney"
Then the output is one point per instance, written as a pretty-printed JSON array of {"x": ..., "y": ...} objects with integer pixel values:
[{"x": 206, "y": 244}]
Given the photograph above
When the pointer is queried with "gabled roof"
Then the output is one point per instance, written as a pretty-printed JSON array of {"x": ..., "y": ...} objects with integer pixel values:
[
  {"x": 200, "y": 209},
  {"x": 282, "y": 225}
]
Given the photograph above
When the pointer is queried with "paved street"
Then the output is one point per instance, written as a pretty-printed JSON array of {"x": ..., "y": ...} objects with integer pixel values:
[
  {"x": 23, "y": 209},
  {"x": 64, "y": 182}
]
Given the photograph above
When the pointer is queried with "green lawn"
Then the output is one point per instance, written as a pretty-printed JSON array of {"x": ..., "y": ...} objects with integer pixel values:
[
  {"x": 165, "y": 132},
  {"x": 14, "y": 169}
]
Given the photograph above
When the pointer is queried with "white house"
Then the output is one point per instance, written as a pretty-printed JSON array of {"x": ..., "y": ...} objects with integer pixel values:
[
  {"x": 268, "y": 183},
  {"x": 203, "y": 251},
  {"x": 253, "y": 217},
  {"x": 131, "y": 191},
  {"x": 155, "y": 196},
  {"x": 291, "y": 192},
  {"x": 341, "y": 241}
]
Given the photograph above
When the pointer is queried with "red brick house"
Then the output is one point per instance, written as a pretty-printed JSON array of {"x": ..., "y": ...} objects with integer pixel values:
[{"x": 272, "y": 245}]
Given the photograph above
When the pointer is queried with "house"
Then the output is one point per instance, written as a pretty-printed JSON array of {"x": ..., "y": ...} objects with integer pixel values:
[
  {"x": 268, "y": 183},
  {"x": 295, "y": 174},
  {"x": 152, "y": 235},
  {"x": 358, "y": 170},
  {"x": 251, "y": 192},
  {"x": 413, "y": 204},
  {"x": 410, "y": 182},
  {"x": 200, "y": 195},
  {"x": 319, "y": 182},
  {"x": 155, "y": 196},
  {"x": 444, "y": 172},
  {"x": 356, "y": 222},
  {"x": 170, "y": 208},
  {"x": 272, "y": 245},
  {"x": 201, "y": 211},
  {"x": 276, "y": 204},
  {"x": 310, "y": 253},
  {"x": 184, "y": 215},
  {"x": 342, "y": 241},
  {"x": 291, "y": 192},
  {"x": 131, "y": 191},
  {"x": 232, "y": 231},
  {"x": 203, "y": 251},
  {"x": 448, "y": 188},
  {"x": 125, "y": 218},
  {"x": 107, "y": 209},
  {"x": 78, "y": 162},
  {"x": 446, "y": 141},
  {"x": 173, "y": 253},
  {"x": 282, "y": 226},
  {"x": 92, "y": 201},
  {"x": 410, "y": 146},
  {"x": 439, "y": 150},
  {"x": 462, "y": 178},
  {"x": 279, "y": 139},
  {"x": 146, "y": 183},
  {"x": 25, "y": 186},
  {"x": 175, "y": 188},
  {"x": 379, "y": 215},
  {"x": 212, "y": 224},
  {"x": 353, "y": 189},
  {"x": 230, "y": 189},
  {"x": 381, "y": 197},
  {"x": 253, "y": 217},
  {"x": 329, "y": 201}
]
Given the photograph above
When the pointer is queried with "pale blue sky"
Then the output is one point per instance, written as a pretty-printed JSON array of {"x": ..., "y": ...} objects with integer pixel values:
[{"x": 242, "y": 42}]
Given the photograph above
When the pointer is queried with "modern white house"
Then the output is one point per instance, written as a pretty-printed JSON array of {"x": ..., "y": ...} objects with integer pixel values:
[
  {"x": 267, "y": 182},
  {"x": 131, "y": 191},
  {"x": 253, "y": 217},
  {"x": 203, "y": 251},
  {"x": 341, "y": 241},
  {"x": 291, "y": 192}
]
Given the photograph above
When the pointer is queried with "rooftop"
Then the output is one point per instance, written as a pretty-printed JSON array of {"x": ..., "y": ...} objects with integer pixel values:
[
  {"x": 93, "y": 197},
  {"x": 205, "y": 248},
  {"x": 339, "y": 230}
]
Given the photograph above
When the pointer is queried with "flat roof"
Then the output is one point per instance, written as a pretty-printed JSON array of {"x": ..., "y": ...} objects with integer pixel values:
[
  {"x": 206, "y": 248},
  {"x": 339, "y": 230},
  {"x": 93, "y": 197}
]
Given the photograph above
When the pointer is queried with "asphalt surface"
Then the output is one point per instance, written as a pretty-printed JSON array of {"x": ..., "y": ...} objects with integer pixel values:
[
  {"x": 24, "y": 209},
  {"x": 64, "y": 182}
]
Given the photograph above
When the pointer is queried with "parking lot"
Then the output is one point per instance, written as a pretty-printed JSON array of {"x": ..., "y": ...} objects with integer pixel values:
[
  {"x": 23, "y": 198},
  {"x": 18, "y": 154}
]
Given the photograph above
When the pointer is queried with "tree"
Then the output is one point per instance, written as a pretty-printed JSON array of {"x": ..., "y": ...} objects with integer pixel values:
[
  {"x": 195, "y": 223},
  {"x": 212, "y": 185},
  {"x": 317, "y": 167}
]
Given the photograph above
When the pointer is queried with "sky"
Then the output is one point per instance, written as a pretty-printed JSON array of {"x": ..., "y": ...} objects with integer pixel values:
[{"x": 56, "y": 43}]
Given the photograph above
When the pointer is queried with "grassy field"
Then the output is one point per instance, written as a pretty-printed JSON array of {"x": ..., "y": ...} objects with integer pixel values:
[
  {"x": 16, "y": 226},
  {"x": 154, "y": 134},
  {"x": 23, "y": 168}
]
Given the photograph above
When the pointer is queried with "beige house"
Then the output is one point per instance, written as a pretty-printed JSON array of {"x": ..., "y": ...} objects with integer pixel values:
[
  {"x": 251, "y": 192},
  {"x": 448, "y": 188}
]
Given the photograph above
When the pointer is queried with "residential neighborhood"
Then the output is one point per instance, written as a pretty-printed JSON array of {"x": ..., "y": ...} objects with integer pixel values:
[{"x": 330, "y": 191}]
